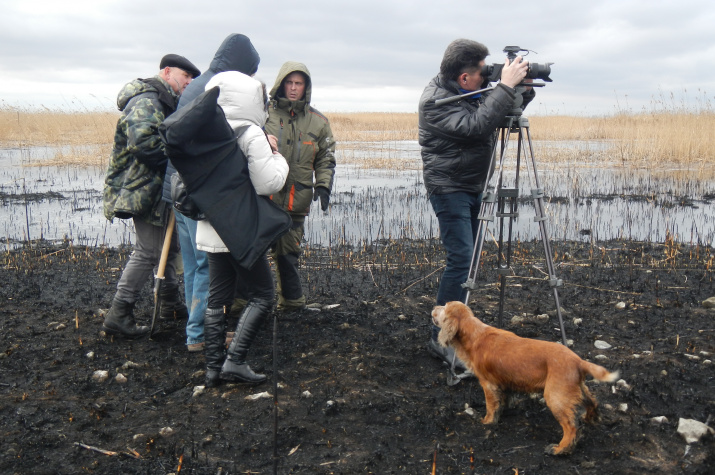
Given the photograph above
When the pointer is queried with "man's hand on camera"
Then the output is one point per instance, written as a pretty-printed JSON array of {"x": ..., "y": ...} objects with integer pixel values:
[
  {"x": 324, "y": 195},
  {"x": 513, "y": 72}
]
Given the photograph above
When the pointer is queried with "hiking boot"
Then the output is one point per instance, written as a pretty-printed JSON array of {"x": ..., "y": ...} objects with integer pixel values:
[
  {"x": 120, "y": 321},
  {"x": 172, "y": 306},
  {"x": 195, "y": 347},
  {"x": 445, "y": 354},
  {"x": 229, "y": 338},
  {"x": 291, "y": 305}
]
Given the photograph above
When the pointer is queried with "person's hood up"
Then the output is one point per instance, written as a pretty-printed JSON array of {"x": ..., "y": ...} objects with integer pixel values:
[
  {"x": 236, "y": 53},
  {"x": 204, "y": 150},
  {"x": 288, "y": 68},
  {"x": 140, "y": 86},
  {"x": 241, "y": 98}
]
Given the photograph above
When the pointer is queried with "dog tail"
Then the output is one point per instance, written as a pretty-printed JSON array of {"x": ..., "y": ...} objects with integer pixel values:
[{"x": 599, "y": 372}]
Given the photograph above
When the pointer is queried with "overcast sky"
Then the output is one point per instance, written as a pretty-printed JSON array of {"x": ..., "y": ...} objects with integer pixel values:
[{"x": 365, "y": 55}]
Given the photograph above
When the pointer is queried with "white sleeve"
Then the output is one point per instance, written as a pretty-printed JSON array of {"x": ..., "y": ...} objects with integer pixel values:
[{"x": 268, "y": 170}]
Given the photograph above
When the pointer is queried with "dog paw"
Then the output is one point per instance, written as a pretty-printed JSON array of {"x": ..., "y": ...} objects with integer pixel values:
[
  {"x": 553, "y": 449},
  {"x": 549, "y": 450}
]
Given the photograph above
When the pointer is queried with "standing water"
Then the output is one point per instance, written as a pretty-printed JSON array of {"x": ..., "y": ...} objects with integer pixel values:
[{"x": 378, "y": 193}]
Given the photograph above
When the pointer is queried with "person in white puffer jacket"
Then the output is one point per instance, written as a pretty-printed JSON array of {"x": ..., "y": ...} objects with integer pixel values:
[{"x": 243, "y": 100}]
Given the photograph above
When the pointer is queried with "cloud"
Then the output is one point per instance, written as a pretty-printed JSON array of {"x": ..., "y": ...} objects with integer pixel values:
[{"x": 365, "y": 54}]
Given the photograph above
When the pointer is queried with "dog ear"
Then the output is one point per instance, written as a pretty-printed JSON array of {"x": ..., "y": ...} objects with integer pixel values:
[
  {"x": 449, "y": 326},
  {"x": 460, "y": 310}
]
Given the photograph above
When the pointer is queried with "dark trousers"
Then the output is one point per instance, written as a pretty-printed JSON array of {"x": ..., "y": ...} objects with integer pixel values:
[
  {"x": 457, "y": 214},
  {"x": 144, "y": 260},
  {"x": 224, "y": 273}
]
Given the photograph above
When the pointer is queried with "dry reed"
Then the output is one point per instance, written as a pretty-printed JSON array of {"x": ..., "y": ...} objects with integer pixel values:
[
  {"x": 373, "y": 126},
  {"x": 80, "y": 138},
  {"x": 660, "y": 138},
  {"x": 641, "y": 140}
]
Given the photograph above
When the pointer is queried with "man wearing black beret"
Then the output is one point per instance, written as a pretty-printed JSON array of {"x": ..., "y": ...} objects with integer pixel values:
[{"x": 132, "y": 189}]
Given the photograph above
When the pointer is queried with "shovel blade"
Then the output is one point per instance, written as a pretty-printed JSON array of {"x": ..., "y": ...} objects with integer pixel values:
[
  {"x": 157, "y": 305},
  {"x": 452, "y": 379}
]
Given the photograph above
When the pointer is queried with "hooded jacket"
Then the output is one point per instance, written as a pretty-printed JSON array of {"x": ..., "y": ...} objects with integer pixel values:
[
  {"x": 133, "y": 185},
  {"x": 304, "y": 139},
  {"x": 236, "y": 53},
  {"x": 242, "y": 100},
  {"x": 457, "y": 139},
  {"x": 203, "y": 148}
]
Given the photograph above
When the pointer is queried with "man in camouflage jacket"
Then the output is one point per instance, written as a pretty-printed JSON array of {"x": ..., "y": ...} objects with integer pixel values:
[
  {"x": 306, "y": 141},
  {"x": 133, "y": 185}
]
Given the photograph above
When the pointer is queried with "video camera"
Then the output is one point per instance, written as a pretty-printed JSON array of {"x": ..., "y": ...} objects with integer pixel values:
[{"x": 492, "y": 72}]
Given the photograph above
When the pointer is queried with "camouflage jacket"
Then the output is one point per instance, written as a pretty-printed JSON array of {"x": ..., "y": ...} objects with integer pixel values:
[
  {"x": 305, "y": 140},
  {"x": 136, "y": 169}
]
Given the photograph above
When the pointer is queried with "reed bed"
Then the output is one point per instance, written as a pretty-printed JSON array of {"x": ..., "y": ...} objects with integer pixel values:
[
  {"x": 642, "y": 140},
  {"x": 55, "y": 127},
  {"x": 78, "y": 138},
  {"x": 661, "y": 138},
  {"x": 373, "y": 127}
]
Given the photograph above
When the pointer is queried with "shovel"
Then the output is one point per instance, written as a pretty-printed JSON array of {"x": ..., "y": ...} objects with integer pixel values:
[
  {"x": 160, "y": 272},
  {"x": 453, "y": 378}
]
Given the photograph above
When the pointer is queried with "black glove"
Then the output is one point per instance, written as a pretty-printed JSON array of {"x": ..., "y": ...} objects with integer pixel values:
[{"x": 324, "y": 195}]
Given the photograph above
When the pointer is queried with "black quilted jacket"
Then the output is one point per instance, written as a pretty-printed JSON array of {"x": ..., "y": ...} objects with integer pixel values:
[{"x": 457, "y": 138}]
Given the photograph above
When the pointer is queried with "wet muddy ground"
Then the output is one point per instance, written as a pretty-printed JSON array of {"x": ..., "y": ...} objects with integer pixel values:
[{"x": 357, "y": 390}]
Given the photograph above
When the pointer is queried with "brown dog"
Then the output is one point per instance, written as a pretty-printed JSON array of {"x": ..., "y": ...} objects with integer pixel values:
[{"x": 504, "y": 362}]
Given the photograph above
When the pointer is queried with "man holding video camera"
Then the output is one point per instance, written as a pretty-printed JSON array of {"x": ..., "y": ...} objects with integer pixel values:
[{"x": 457, "y": 140}]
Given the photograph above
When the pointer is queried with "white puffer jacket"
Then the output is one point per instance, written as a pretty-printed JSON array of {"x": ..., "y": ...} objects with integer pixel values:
[{"x": 242, "y": 101}]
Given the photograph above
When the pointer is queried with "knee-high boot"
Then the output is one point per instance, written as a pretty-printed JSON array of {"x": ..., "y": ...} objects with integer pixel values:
[
  {"x": 235, "y": 367},
  {"x": 214, "y": 344}
]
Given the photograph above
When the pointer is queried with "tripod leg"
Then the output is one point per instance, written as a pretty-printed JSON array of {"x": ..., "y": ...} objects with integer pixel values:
[
  {"x": 486, "y": 214},
  {"x": 537, "y": 195},
  {"x": 488, "y": 210},
  {"x": 511, "y": 196}
]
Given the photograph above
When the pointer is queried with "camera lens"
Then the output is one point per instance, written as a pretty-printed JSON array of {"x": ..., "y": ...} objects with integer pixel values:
[{"x": 539, "y": 71}]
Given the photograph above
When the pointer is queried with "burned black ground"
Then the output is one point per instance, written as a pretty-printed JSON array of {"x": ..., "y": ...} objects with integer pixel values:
[{"x": 358, "y": 393}]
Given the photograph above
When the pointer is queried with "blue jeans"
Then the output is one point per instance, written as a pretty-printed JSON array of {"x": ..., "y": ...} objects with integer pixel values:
[
  {"x": 457, "y": 214},
  {"x": 196, "y": 278}
]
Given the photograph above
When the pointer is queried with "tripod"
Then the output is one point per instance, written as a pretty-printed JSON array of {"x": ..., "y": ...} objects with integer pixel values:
[{"x": 501, "y": 202}]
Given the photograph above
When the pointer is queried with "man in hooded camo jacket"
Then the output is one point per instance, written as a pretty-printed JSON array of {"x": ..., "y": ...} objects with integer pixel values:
[
  {"x": 133, "y": 185},
  {"x": 306, "y": 141}
]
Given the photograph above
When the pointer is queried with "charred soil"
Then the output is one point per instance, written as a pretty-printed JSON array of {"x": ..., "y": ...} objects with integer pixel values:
[{"x": 357, "y": 390}]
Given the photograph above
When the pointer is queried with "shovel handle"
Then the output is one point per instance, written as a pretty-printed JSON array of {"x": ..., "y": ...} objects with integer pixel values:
[
  {"x": 160, "y": 272},
  {"x": 167, "y": 245}
]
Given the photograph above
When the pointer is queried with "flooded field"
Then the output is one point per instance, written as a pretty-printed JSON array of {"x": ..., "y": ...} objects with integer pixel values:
[{"x": 379, "y": 194}]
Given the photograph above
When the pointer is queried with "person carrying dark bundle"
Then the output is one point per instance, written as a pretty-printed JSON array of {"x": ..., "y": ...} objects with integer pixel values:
[{"x": 228, "y": 167}]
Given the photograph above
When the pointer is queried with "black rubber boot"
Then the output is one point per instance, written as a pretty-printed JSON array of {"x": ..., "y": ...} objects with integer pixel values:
[
  {"x": 445, "y": 354},
  {"x": 214, "y": 344},
  {"x": 120, "y": 321},
  {"x": 172, "y": 306},
  {"x": 235, "y": 367}
]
